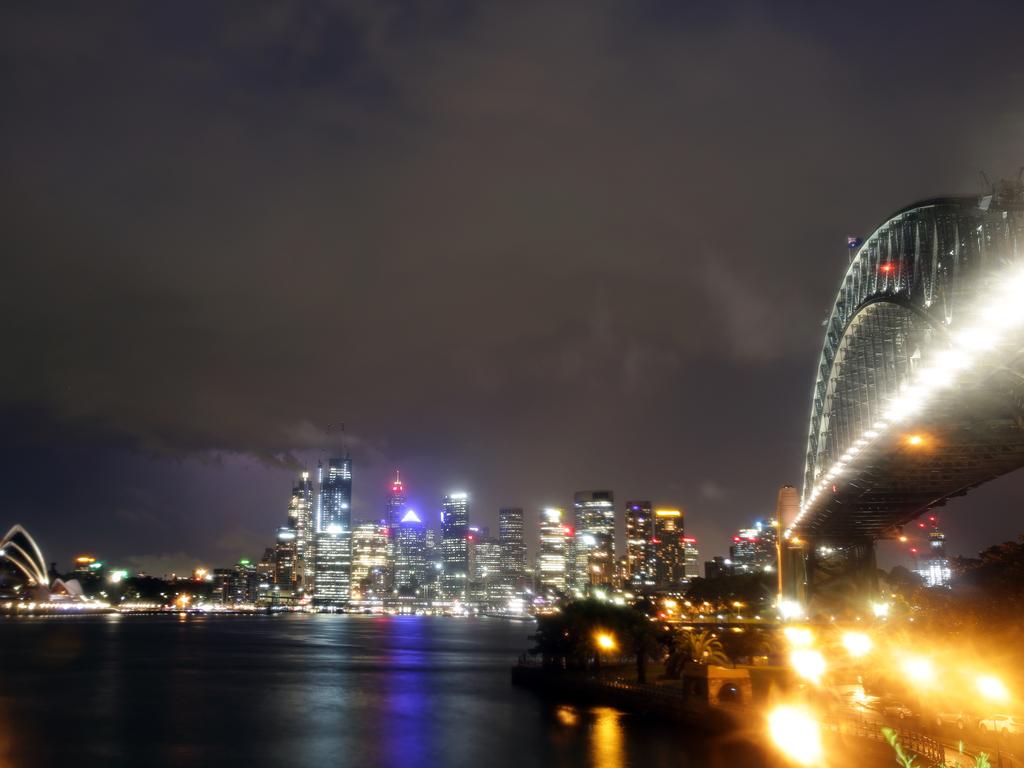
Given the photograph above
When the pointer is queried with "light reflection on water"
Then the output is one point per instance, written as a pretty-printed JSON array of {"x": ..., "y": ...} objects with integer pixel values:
[{"x": 297, "y": 690}]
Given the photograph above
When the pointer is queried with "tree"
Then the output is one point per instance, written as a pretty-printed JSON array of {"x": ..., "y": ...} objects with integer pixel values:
[
  {"x": 702, "y": 647},
  {"x": 568, "y": 639}
]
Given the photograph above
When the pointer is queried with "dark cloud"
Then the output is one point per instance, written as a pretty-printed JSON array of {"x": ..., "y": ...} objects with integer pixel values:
[{"x": 521, "y": 248}]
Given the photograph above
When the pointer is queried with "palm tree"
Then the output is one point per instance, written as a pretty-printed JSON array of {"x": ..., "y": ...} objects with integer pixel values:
[{"x": 700, "y": 647}]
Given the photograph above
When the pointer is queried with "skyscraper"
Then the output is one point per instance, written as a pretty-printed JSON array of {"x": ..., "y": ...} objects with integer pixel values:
[
  {"x": 396, "y": 501},
  {"x": 551, "y": 560},
  {"x": 454, "y": 545},
  {"x": 284, "y": 575},
  {"x": 395, "y": 509},
  {"x": 754, "y": 550},
  {"x": 512, "y": 540},
  {"x": 595, "y": 538},
  {"x": 369, "y": 560},
  {"x": 487, "y": 570},
  {"x": 333, "y": 559},
  {"x": 669, "y": 548},
  {"x": 300, "y": 519},
  {"x": 933, "y": 567},
  {"x": 410, "y": 553},
  {"x": 691, "y": 557},
  {"x": 639, "y": 544}
]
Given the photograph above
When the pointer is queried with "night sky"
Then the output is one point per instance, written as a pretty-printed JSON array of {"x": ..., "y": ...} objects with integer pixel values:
[{"x": 519, "y": 249}]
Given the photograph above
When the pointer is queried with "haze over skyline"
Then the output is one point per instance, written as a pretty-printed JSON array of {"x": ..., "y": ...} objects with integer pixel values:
[{"x": 519, "y": 251}]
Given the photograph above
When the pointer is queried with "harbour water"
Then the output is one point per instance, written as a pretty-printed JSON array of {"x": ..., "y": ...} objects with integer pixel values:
[{"x": 299, "y": 690}]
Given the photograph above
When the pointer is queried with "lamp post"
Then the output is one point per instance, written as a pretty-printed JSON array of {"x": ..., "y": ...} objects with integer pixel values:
[{"x": 604, "y": 642}]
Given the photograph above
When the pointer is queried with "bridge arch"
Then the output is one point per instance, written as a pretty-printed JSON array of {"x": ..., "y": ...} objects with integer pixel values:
[{"x": 909, "y": 288}]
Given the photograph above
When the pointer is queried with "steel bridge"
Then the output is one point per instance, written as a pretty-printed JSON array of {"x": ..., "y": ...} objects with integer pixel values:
[{"x": 919, "y": 393}]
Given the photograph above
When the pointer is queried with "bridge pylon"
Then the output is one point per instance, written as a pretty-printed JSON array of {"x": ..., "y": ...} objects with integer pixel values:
[{"x": 829, "y": 578}]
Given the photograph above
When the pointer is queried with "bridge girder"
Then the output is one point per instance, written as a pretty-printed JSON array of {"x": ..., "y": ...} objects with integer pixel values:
[{"x": 912, "y": 286}]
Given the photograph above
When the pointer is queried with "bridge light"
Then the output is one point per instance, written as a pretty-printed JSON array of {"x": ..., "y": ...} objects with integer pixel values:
[
  {"x": 903, "y": 539},
  {"x": 887, "y": 268},
  {"x": 915, "y": 441}
]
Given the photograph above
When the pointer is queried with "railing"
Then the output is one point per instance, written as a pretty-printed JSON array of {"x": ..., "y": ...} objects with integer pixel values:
[{"x": 925, "y": 747}]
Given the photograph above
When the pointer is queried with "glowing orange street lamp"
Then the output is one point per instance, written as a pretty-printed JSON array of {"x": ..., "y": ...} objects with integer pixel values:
[{"x": 915, "y": 441}]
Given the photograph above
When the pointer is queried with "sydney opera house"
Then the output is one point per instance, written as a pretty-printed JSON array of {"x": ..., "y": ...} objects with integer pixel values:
[{"x": 23, "y": 572}]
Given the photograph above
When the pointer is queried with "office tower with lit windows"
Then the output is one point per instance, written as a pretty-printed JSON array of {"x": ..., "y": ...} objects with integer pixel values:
[
  {"x": 485, "y": 570},
  {"x": 369, "y": 560},
  {"x": 691, "y": 557},
  {"x": 669, "y": 548},
  {"x": 395, "y": 509},
  {"x": 512, "y": 539},
  {"x": 595, "y": 538},
  {"x": 552, "y": 565},
  {"x": 455, "y": 546},
  {"x": 285, "y": 560},
  {"x": 639, "y": 570},
  {"x": 410, "y": 554},
  {"x": 300, "y": 520},
  {"x": 396, "y": 501},
  {"x": 754, "y": 550},
  {"x": 933, "y": 566},
  {"x": 333, "y": 540}
]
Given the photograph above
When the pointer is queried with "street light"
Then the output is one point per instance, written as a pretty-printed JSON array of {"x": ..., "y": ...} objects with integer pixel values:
[
  {"x": 796, "y": 734},
  {"x": 991, "y": 687},
  {"x": 919, "y": 670},
  {"x": 857, "y": 644},
  {"x": 604, "y": 642}
]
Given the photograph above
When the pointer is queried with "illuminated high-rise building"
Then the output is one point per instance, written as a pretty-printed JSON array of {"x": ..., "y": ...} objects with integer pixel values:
[
  {"x": 395, "y": 508},
  {"x": 332, "y": 588},
  {"x": 691, "y": 557},
  {"x": 552, "y": 565},
  {"x": 396, "y": 501},
  {"x": 640, "y": 560},
  {"x": 336, "y": 496},
  {"x": 933, "y": 565},
  {"x": 284, "y": 560},
  {"x": 300, "y": 520},
  {"x": 333, "y": 540},
  {"x": 754, "y": 550},
  {"x": 410, "y": 553},
  {"x": 512, "y": 539},
  {"x": 487, "y": 581},
  {"x": 369, "y": 560},
  {"x": 669, "y": 548},
  {"x": 455, "y": 546},
  {"x": 595, "y": 538}
]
